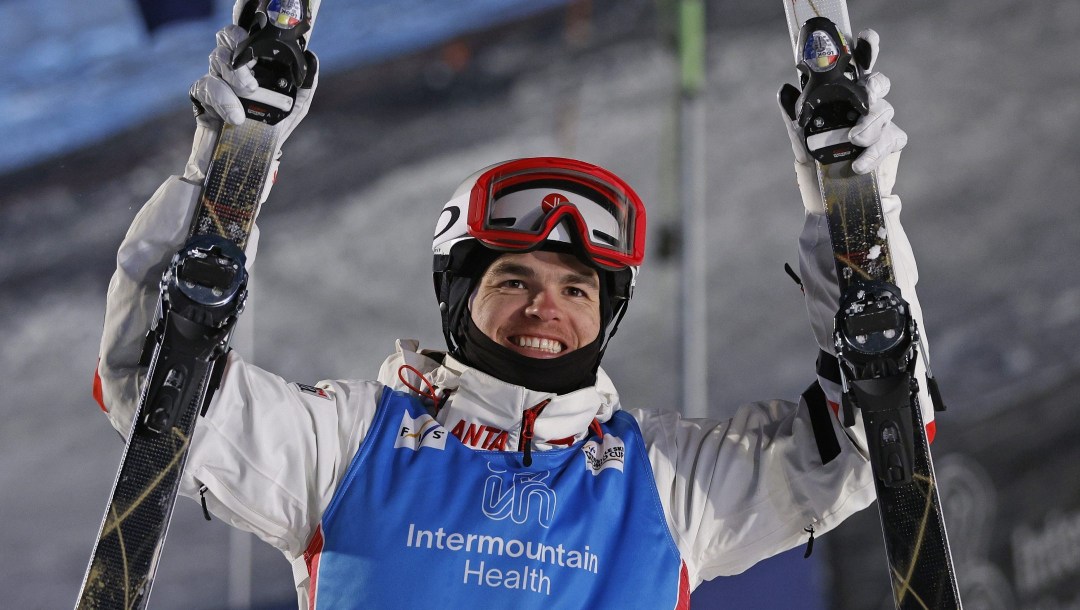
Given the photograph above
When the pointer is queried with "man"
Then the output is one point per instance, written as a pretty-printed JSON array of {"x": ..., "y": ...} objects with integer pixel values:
[{"x": 505, "y": 471}]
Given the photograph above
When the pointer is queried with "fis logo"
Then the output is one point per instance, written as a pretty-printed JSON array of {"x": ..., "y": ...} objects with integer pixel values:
[
  {"x": 601, "y": 456},
  {"x": 423, "y": 431},
  {"x": 519, "y": 496}
]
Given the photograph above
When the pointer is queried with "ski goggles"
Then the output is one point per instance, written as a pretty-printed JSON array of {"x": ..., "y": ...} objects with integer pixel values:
[{"x": 518, "y": 205}]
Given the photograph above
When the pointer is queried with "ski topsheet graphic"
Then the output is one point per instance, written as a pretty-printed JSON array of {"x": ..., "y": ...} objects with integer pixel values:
[
  {"x": 876, "y": 337},
  {"x": 202, "y": 293}
]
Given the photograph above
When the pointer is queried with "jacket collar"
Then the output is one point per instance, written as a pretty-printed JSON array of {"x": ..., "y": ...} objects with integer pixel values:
[{"x": 488, "y": 413}]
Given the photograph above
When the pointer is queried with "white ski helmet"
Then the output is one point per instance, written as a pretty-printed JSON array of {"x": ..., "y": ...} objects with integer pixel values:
[{"x": 538, "y": 203}]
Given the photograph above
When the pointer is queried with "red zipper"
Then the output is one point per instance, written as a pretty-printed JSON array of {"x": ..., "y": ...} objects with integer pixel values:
[{"x": 528, "y": 422}]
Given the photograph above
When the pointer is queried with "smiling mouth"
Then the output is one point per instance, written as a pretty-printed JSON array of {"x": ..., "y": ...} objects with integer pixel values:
[{"x": 549, "y": 346}]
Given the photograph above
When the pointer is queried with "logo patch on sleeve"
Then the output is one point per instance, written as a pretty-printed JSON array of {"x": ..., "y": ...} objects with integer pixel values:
[{"x": 314, "y": 391}]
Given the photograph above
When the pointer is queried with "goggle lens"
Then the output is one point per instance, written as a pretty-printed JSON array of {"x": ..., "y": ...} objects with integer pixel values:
[{"x": 518, "y": 207}]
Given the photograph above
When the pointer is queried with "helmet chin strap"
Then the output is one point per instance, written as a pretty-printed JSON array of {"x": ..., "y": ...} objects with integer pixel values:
[{"x": 560, "y": 375}]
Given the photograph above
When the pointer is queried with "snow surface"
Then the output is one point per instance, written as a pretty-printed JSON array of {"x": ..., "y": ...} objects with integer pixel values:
[
  {"x": 79, "y": 72},
  {"x": 990, "y": 99}
]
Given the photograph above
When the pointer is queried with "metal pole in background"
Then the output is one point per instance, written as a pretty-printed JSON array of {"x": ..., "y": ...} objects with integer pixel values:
[
  {"x": 240, "y": 564},
  {"x": 691, "y": 162}
]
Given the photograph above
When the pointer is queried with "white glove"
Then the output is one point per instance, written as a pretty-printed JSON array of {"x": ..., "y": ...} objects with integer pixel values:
[
  {"x": 217, "y": 98},
  {"x": 874, "y": 131}
]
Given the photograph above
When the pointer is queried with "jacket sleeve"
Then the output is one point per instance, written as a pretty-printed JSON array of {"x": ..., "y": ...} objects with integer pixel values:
[
  {"x": 158, "y": 231},
  {"x": 741, "y": 490},
  {"x": 268, "y": 453}
]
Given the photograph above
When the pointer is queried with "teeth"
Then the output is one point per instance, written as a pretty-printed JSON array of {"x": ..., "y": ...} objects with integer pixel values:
[{"x": 547, "y": 345}]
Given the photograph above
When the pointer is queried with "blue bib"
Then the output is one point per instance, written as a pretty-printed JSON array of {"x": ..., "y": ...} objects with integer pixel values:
[{"x": 422, "y": 521}]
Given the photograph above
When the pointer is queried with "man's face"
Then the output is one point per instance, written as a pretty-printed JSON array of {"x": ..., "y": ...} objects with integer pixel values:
[{"x": 539, "y": 304}]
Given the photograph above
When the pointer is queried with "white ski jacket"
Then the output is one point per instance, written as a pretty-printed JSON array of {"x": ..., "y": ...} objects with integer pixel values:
[{"x": 269, "y": 454}]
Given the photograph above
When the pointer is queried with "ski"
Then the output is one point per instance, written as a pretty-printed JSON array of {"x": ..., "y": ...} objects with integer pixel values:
[
  {"x": 202, "y": 294},
  {"x": 875, "y": 334}
]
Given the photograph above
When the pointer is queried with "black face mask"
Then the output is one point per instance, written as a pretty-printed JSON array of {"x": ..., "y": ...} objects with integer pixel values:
[{"x": 560, "y": 375}]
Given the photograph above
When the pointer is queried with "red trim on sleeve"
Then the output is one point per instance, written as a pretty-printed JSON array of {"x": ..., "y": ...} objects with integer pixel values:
[
  {"x": 684, "y": 589},
  {"x": 98, "y": 395},
  {"x": 835, "y": 407},
  {"x": 311, "y": 558}
]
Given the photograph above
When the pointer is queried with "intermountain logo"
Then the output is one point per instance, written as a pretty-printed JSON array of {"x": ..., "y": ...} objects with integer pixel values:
[
  {"x": 601, "y": 456},
  {"x": 519, "y": 496},
  {"x": 423, "y": 431}
]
